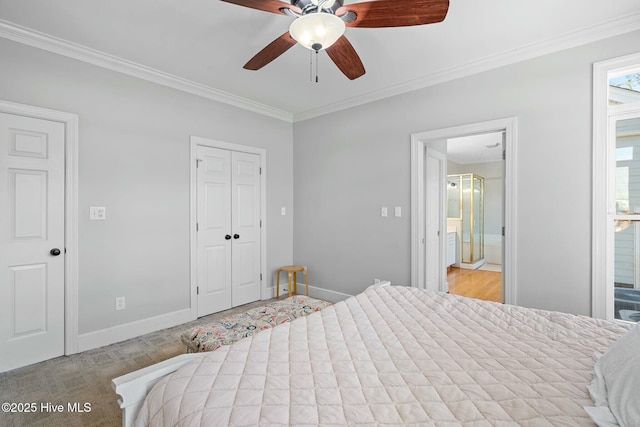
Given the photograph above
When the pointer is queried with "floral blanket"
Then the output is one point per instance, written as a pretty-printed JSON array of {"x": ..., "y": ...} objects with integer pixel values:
[{"x": 234, "y": 327}]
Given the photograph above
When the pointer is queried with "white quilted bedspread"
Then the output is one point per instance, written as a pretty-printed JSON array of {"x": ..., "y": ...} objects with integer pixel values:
[{"x": 395, "y": 356}]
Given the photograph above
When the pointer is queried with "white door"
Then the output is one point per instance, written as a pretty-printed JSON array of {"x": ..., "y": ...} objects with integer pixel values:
[
  {"x": 31, "y": 240},
  {"x": 214, "y": 230},
  {"x": 245, "y": 224},
  {"x": 228, "y": 236},
  {"x": 434, "y": 234},
  {"x": 624, "y": 223}
]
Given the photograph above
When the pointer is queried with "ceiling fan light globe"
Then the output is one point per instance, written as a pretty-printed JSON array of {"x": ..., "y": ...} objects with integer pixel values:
[{"x": 315, "y": 29}]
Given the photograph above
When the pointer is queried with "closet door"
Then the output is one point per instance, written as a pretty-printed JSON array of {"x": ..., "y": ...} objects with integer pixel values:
[
  {"x": 245, "y": 223},
  {"x": 228, "y": 236},
  {"x": 214, "y": 230}
]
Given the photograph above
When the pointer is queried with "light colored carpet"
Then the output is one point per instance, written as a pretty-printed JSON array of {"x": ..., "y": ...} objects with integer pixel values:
[{"x": 86, "y": 378}]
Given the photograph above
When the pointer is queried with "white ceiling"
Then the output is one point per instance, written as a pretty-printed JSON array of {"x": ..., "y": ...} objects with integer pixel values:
[
  {"x": 205, "y": 43},
  {"x": 483, "y": 148}
]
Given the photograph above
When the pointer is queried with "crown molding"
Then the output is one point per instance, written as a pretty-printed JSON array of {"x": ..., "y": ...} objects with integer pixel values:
[
  {"x": 30, "y": 37},
  {"x": 566, "y": 41},
  {"x": 27, "y": 36}
]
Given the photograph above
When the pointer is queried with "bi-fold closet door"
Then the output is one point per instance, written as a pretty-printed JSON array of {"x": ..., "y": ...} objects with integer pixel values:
[{"x": 228, "y": 229}]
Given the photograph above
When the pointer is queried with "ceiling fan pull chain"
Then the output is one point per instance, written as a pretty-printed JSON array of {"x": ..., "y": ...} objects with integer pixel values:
[{"x": 311, "y": 65}]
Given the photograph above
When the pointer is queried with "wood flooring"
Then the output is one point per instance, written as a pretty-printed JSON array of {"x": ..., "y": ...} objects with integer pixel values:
[{"x": 480, "y": 284}]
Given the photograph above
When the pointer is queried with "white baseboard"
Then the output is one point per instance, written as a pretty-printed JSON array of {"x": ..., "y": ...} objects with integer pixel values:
[
  {"x": 127, "y": 331},
  {"x": 325, "y": 294},
  {"x": 315, "y": 292}
]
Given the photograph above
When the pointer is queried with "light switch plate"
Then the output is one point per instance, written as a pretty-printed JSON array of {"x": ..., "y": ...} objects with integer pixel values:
[
  {"x": 383, "y": 211},
  {"x": 97, "y": 213},
  {"x": 398, "y": 211}
]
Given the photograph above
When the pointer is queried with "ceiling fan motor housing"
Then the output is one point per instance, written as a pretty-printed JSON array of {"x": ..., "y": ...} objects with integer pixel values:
[{"x": 310, "y": 6}]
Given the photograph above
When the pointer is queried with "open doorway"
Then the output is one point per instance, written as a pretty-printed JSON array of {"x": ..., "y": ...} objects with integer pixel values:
[
  {"x": 474, "y": 211},
  {"x": 421, "y": 263}
]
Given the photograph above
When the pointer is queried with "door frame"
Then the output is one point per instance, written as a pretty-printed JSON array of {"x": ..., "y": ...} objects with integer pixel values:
[
  {"x": 70, "y": 121},
  {"x": 419, "y": 142},
  {"x": 193, "y": 212}
]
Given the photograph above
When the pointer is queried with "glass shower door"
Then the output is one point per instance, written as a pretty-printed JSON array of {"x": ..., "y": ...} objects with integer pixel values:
[
  {"x": 466, "y": 218},
  {"x": 478, "y": 218},
  {"x": 471, "y": 217}
]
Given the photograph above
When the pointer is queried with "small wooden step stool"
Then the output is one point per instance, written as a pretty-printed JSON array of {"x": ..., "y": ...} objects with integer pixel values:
[{"x": 292, "y": 273}]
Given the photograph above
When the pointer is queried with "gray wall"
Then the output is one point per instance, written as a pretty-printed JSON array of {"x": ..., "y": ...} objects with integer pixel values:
[
  {"x": 350, "y": 163},
  {"x": 134, "y": 150},
  {"x": 134, "y": 159}
]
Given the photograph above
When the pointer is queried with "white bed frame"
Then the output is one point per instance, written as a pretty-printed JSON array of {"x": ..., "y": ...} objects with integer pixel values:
[{"x": 132, "y": 388}]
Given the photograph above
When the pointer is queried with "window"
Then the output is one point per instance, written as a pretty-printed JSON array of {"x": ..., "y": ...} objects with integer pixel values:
[
  {"x": 624, "y": 89},
  {"x": 616, "y": 207},
  {"x": 625, "y": 135}
]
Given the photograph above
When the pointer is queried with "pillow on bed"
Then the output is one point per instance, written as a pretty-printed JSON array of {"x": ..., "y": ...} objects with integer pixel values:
[{"x": 617, "y": 381}]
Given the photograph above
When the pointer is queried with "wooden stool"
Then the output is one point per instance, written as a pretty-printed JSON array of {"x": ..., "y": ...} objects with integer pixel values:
[{"x": 292, "y": 273}]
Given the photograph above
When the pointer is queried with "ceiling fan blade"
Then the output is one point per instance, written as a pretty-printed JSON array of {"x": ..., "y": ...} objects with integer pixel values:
[
  {"x": 270, "y": 52},
  {"x": 346, "y": 58},
  {"x": 394, "y": 13},
  {"x": 273, "y": 6}
]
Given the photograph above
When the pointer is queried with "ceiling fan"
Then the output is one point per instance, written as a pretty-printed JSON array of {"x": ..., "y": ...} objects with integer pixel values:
[{"x": 320, "y": 25}]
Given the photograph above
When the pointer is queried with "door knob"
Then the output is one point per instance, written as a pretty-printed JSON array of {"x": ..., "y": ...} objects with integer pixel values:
[
  {"x": 55, "y": 251},
  {"x": 227, "y": 237},
  {"x": 236, "y": 236}
]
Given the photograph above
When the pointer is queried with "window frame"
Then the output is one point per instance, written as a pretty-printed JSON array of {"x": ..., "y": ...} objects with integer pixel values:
[{"x": 603, "y": 185}]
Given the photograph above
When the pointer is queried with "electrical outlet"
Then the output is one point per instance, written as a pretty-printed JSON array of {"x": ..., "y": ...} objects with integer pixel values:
[
  {"x": 120, "y": 303},
  {"x": 285, "y": 290},
  {"x": 97, "y": 213}
]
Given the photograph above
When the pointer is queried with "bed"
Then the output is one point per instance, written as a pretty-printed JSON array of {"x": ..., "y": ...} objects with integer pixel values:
[{"x": 396, "y": 355}]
